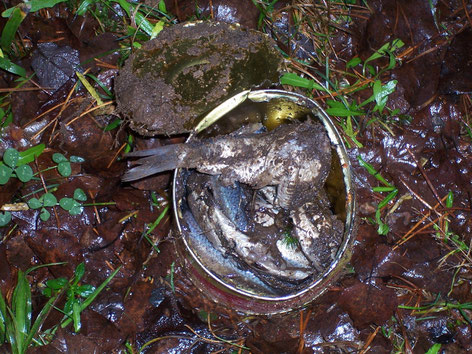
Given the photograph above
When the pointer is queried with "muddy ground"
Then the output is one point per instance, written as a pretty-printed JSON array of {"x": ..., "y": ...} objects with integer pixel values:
[{"x": 403, "y": 291}]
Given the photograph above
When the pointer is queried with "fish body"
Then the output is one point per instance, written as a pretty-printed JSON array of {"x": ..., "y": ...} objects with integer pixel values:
[
  {"x": 220, "y": 218},
  {"x": 294, "y": 157},
  {"x": 318, "y": 232},
  {"x": 261, "y": 255},
  {"x": 245, "y": 192},
  {"x": 218, "y": 262}
]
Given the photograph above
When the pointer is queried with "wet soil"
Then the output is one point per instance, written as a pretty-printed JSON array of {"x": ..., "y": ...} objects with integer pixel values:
[{"x": 426, "y": 154}]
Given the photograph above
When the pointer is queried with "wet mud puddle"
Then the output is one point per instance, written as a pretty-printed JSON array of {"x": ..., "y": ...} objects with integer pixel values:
[{"x": 253, "y": 204}]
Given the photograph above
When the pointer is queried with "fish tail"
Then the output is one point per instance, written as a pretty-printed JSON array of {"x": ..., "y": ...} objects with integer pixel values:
[{"x": 163, "y": 158}]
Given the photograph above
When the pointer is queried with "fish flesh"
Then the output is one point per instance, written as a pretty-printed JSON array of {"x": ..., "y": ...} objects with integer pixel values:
[
  {"x": 222, "y": 265},
  {"x": 318, "y": 232},
  {"x": 259, "y": 255},
  {"x": 251, "y": 244}
]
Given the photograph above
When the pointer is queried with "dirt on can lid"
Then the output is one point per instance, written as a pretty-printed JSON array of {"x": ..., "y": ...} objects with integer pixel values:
[{"x": 167, "y": 85}]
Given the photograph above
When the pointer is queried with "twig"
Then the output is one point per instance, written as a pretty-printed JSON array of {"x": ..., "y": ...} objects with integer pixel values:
[
  {"x": 411, "y": 233},
  {"x": 116, "y": 155},
  {"x": 88, "y": 111},
  {"x": 467, "y": 13},
  {"x": 212, "y": 15},
  {"x": 64, "y": 106},
  {"x": 369, "y": 340},
  {"x": 428, "y": 181},
  {"x": 417, "y": 195},
  {"x": 104, "y": 64},
  {"x": 50, "y": 110},
  {"x": 97, "y": 215},
  {"x": 222, "y": 339},
  {"x": 303, "y": 324},
  {"x": 20, "y": 89}
]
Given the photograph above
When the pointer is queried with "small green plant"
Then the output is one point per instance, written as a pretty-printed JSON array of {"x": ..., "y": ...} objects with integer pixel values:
[
  {"x": 113, "y": 124},
  {"x": 74, "y": 205},
  {"x": 386, "y": 187},
  {"x": 76, "y": 293},
  {"x": 15, "y": 165},
  {"x": 141, "y": 15},
  {"x": 15, "y": 16},
  {"x": 289, "y": 240},
  {"x": 265, "y": 7},
  {"x": 434, "y": 349},
  {"x": 63, "y": 165},
  {"x": 16, "y": 319},
  {"x": 11, "y": 168},
  {"x": 348, "y": 109},
  {"x": 6, "y": 115},
  {"x": 46, "y": 200},
  {"x": 152, "y": 226},
  {"x": 444, "y": 233},
  {"x": 438, "y": 306}
]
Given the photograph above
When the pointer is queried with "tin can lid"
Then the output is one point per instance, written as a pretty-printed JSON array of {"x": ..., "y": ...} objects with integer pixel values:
[{"x": 168, "y": 84}]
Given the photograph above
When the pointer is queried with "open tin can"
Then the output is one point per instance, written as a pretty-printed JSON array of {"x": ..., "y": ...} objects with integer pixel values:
[{"x": 272, "y": 108}]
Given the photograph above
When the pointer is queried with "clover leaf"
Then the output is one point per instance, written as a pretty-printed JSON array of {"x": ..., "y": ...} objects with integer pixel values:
[
  {"x": 11, "y": 157},
  {"x": 5, "y": 174},
  {"x": 5, "y": 218}
]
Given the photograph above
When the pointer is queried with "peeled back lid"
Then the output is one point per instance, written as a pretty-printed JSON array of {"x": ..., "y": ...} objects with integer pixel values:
[{"x": 168, "y": 85}]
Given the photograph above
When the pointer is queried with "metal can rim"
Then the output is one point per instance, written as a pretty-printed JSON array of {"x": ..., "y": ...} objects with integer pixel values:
[{"x": 343, "y": 253}]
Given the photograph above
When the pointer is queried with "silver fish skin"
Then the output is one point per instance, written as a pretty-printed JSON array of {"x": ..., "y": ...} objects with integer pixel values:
[
  {"x": 213, "y": 259},
  {"x": 205, "y": 191},
  {"x": 199, "y": 207},
  {"x": 294, "y": 157},
  {"x": 233, "y": 202}
]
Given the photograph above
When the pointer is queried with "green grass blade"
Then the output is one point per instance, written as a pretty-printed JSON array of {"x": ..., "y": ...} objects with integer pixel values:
[
  {"x": 434, "y": 349},
  {"x": 29, "y": 270},
  {"x": 7, "y": 65},
  {"x": 3, "y": 319},
  {"x": 37, "y": 5},
  {"x": 79, "y": 273},
  {"x": 462, "y": 312},
  {"x": 29, "y": 155},
  {"x": 383, "y": 189},
  {"x": 9, "y": 31},
  {"x": 388, "y": 198},
  {"x": 157, "y": 221},
  {"x": 89, "y": 88},
  {"x": 76, "y": 315},
  {"x": 373, "y": 171},
  {"x": 295, "y": 80},
  {"x": 102, "y": 86},
  {"x": 342, "y": 109},
  {"x": 140, "y": 19},
  {"x": 13, "y": 334},
  {"x": 40, "y": 319},
  {"x": 33, "y": 6},
  {"x": 92, "y": 297},
  {"x": 21, "y": 309},
  {"x": 450, "y": 199}
]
